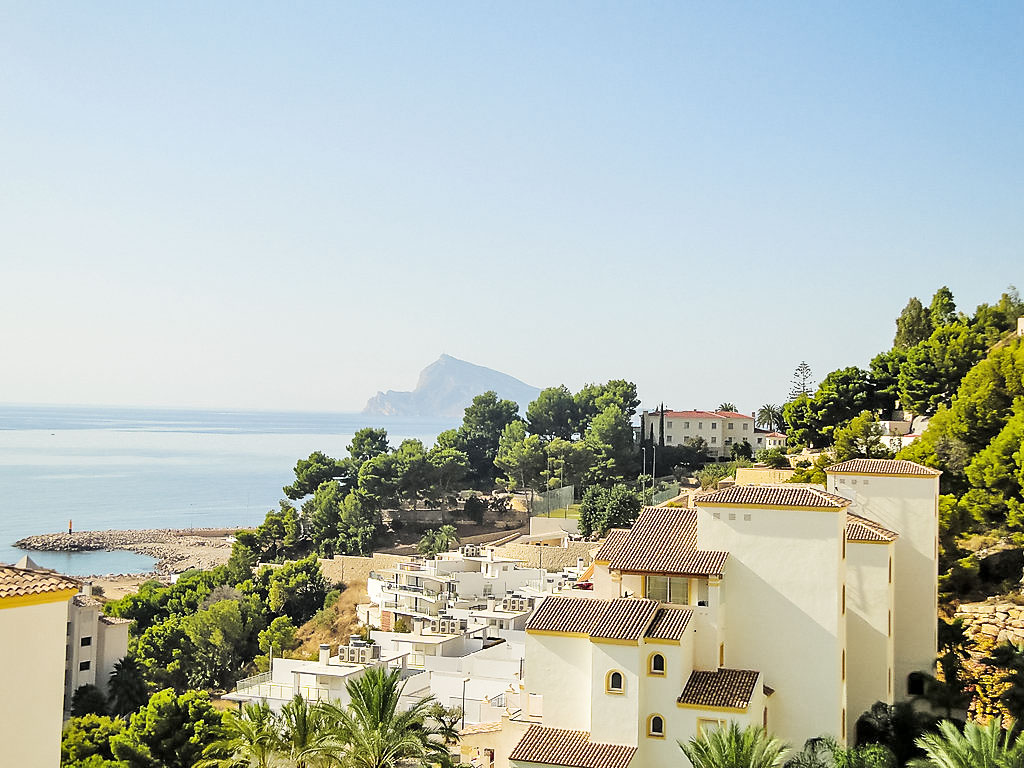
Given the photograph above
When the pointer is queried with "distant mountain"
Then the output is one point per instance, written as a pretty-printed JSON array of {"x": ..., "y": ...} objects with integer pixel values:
[{"x": 446, "y": 387}]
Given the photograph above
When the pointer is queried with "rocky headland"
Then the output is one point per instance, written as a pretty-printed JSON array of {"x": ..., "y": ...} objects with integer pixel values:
[{"x": 175, "y": 550}]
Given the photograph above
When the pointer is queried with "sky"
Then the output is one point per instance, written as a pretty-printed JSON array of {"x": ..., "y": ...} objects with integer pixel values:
[{"x": 291, "y": 206}]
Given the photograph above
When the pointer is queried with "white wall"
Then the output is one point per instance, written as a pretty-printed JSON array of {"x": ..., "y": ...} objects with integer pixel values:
[
  {"x": 559, "y": 669},
  {"x": 614, "y": 716},
  {"x": 32, "y": 662},
  {"x": 783, "y": 613},
  {"x": 910, "y": 507},
  {"x": 869, "y": 643}
]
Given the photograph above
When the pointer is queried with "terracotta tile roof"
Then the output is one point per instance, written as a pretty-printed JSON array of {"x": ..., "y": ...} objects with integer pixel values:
[
  {"x": 625, "y": 619},
  {"x": 664, "y": 540},
  {"x": 861, "y": 529},
  {"x": 702, "y": 415},
  {"x": 612, "y": 544},
  {"x": 567, "y": 614},
  {"x": 884, "y": 467},
  {"x": 18, "y": 582},
  {"x": 721, "y": 688},
  {"x": 573, "y": 749},
  {"x": 774, "y": 496},
  {"x": 114, "y": 620},
  {"x": 669, "y": 624}
]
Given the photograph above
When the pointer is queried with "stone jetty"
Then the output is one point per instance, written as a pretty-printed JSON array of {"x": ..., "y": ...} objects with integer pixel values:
[{"x": 175, "y": 550}]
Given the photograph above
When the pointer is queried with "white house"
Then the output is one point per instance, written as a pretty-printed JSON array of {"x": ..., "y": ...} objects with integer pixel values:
[
  {"x": 719, "y": 429},
  {"x": 785, "y": 606},
  {"x": 33, "y": 634}
]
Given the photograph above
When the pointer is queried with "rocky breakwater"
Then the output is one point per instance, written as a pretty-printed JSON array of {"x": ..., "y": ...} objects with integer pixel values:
[
  {"x": 175, "y": 550},
  {"x": 1000, "y": 621}
]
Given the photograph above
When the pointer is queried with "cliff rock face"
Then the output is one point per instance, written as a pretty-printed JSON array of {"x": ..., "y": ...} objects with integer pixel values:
[{"x": 446, "y": 387}]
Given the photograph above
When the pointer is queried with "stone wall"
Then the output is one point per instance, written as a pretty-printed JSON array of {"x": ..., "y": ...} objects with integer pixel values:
[
  {"x": 1001, "y": 621},
  {"x": 550, "y": 558},
  {"x": 351, "y": 569}
]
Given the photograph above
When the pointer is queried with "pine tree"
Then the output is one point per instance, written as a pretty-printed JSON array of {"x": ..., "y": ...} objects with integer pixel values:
[{"x": 801, "y": 383}]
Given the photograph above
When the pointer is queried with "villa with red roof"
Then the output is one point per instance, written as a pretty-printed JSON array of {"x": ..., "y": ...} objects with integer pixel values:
[{"x": 719, "y": 430}]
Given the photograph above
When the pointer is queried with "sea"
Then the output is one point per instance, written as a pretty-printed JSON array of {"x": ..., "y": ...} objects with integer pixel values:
[{"x": 131, "y": 468}]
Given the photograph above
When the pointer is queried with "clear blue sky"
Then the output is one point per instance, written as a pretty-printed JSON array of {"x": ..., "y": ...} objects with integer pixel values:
[{"x": 291, "y": 206}]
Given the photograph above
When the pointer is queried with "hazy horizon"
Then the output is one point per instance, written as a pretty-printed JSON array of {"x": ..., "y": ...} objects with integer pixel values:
[{"x": 258, "y": 207}]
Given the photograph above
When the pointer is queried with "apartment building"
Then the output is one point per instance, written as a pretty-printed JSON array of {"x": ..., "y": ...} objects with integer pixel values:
[
  {"x": 719, "y": 429},
  {"x": 33, "y": 633},
  {"x": 95, "y": 644},
  {"x": 786, "y": 606}
]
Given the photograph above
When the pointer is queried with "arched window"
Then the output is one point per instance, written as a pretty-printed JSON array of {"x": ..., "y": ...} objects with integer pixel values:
[
  {"x": 656, "y": 664},
  {"x": 656, "y": 726},
  {"x": 615, "y": 682}
]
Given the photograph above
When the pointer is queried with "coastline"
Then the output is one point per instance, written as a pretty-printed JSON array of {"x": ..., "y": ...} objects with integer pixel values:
[{"x": 175, "y": 549}]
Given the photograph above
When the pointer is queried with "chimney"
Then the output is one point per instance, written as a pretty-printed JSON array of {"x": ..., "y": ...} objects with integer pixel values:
[
  {"x": 579, "y": 563},
  {"x": 491, "y": 603},
  {"x": 87, "y": 588},
  {"x": 325, "y": 653}
]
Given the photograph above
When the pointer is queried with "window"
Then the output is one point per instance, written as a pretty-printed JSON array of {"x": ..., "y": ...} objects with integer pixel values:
[
  {"x": 844, "y": 664},
  {"x": 714, "y": 425},
  {"x": 668, "y": 438},
  {"x": 668, "y": 589},
  {"x": 721, "y": 655},
  {"x": 759, "y": 441},
  {"x": 686, "y": 425},
  {"x": 915, "y": 684},
  {"x": 746, "y": 427},
  {"x": 700, "y": 425},
  {"x": 656, "y": 726},
  {"x": 84, "y": 666},
  {"x": 731, "y": 425},
  {"x": 86, "y": 641},
  {"x": 615, "y": 682},
  {"x": 714, "y": 440},
  {"x": 656, "y": 665},
  {"x": 668, "y": 424},
  {"x": 728, "y": 441}
]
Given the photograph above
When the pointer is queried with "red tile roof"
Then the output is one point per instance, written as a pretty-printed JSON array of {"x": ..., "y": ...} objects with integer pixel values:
[
  {"x": 774, "y": 496},
  {"x": 573, "y": 749},
  {"x": 883, "y": 467},
  {"x": 664, "y": 540},
  {"x": 669, "y": 624},
  {"x": 19, "y": 582},
  {"x": 721, "y": 688},
  {"x": 861, "y": 529},
  {"x": 701, "y": 415},
  {"x": 625, "y": 619},
  {"x": 567, "y": 614},
  {"x": 612, "y": 544}
]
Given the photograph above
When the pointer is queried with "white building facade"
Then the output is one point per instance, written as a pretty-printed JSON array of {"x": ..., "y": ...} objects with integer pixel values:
[
  {"x": 719, "y": 429},
  {"x": 785, "y": 606}
]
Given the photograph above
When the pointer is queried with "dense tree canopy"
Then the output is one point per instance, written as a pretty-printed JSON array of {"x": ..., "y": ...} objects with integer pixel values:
[
  {"x": 553, "y": 414},
  {"x": 934, "y": 368}
]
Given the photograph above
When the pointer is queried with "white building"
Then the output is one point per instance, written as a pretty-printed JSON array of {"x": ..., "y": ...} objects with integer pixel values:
[
  {"x": 719, "y": 429},
  {"x": 783, "y": 606},
  {"x": 428, "y": 588},
  {"x": 33, "y": 634},
  {"x": 95, "y": 644}
]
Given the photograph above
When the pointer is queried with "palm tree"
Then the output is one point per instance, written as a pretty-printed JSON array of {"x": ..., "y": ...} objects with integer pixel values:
[
  {"x": 447, "y": 535},
  {"x": 769, "y": 416},
  {"x": 248, "y": 740},
  {"x": 979, "y": 746},
  {"x": 372, "y": 733},
  {"x": 304, "y": 738},
  {"x": 447, "y": 719},
  {"x": 727, "y": 406},
  {"x": 826, "y": 752},
  {"x": 730, "y": 747},
  {"x": 127, "y": 687}
]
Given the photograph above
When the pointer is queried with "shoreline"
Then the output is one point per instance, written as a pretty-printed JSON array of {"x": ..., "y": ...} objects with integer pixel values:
[{"x": 175, "y": 549}]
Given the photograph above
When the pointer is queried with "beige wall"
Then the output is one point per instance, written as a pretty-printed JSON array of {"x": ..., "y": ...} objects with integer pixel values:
[
  {"x": 549, "y": 558},
  {"x": 869, "y": 642},
  {"x": 909, "y": 506},
  {"x": 559, "y": 670},
  {"x": 32, "y": 648},
  {"x": 350, "y": 569},
  {"x": 782, "y": 602},
  {"x": 762, "y": 475}
]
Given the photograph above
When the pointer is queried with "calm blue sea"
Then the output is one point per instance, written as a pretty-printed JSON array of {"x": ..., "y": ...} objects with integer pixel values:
[{"x": 148, "y": 468}]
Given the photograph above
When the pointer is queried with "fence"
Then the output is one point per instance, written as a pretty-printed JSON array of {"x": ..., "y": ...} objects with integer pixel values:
[
  {"x": 660, "y": 497},
  {"x": 559, "y": 498}
]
